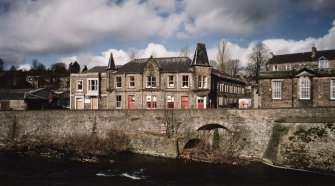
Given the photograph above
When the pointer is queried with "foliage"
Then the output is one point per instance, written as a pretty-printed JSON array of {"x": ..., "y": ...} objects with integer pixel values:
[
  {"x": 84, "y": 69},
  {"x": 2, "y": 65},
  {"x": 74, "y": 67}
]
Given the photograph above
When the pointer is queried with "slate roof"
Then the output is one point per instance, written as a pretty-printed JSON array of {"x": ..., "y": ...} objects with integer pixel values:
[
  {"x": 301, "y": 57},
  {"x": 226, "y": 76},
  {"x": 200, "y": 56},
  {"x": 111, "y": 63},
  {"x": 167, "y": 64},
  {"x": 97, "y": 69},
  {"x": 13, "y": 94},
  {"x": 21, "y": 94}
]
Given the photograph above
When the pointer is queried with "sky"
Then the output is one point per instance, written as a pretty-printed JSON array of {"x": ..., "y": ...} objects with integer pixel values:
[{"x": 88, "y": 31}]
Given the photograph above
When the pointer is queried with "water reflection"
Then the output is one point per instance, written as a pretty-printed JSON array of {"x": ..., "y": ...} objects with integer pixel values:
[{"x": 131, "y": 169}]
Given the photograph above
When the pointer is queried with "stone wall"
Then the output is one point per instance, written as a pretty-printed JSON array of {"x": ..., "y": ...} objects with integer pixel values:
[{"x": 267, "y": 134}]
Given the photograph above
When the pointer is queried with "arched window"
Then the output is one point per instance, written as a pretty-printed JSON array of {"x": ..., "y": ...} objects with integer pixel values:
[{"x": 305, "y": 88}]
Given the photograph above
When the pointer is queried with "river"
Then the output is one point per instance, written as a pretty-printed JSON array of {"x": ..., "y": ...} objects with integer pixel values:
[{"x": 132, "y": 169}]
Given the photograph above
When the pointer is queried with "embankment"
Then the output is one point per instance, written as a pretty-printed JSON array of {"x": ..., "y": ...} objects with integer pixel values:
[{"x": 297, "y": 138}]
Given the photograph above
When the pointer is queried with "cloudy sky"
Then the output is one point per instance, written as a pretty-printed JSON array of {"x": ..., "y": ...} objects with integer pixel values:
[{"x": 87, "y": 31}]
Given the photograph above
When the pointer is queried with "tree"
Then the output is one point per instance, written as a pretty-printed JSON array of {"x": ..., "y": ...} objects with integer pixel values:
[
  {"x": 184, "y": 51},
  {"x": 257, "y": 60},
  {"x": 84, "y": 69},
  {"x": 59, "y": 69},
  {"x": 74, "y": 67},
  {"x": 233, "y": 67},
  {"x": 2, "y": 65},
  {"x": 223, "y": 56}
]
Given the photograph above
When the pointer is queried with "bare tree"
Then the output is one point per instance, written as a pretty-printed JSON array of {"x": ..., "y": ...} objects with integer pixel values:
[
  {"x": 214, "y": 64},
  {"x": 223, "y": 56},
  {"x": 258, "y": 60},
  {"x": 184, "y": 51},
  {"x": 233, "y": 67}
]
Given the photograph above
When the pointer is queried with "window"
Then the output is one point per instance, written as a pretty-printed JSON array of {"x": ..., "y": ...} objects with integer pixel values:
[
  {"x": 151, "y": 82},
  {"x": 80, "y": 85},
  {"x": 185, "y": 81},
  {"x": 202, "y": 82},
  {"x": 118, "y": 82},
  {"x": 275, "y": 68},
  {"x": 288, "y": 67},
  {"x": 332, "y": 89},
  {"x": 151, "y": 102},
  {"x": 92, "y": 88},
  {"x": 131, "y": 81},
  {"x": 305, "y": 88},
  {"x": 276, "y": 89},
  {"x": 323, "y": 62},
  {"x": 170, "y": 102},
  {"x": 118, "y": 101},
  {"x": 170, "y": 81}
]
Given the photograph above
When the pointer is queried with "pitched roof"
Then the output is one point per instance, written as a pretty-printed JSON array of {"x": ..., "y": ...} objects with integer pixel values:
[
  {"x": 200, "y": 56},
  {"x": 13, "y": 94},
  {"x": 96, "y": 69},
  {"x": 301, "y": 57},
  {"x": 167, "y": 64},
  {"x": 226, "y": 76}
]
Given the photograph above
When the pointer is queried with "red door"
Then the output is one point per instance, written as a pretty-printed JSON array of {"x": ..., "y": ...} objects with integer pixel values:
[
  {"x": 131, "y": 102},
  {"x": 201, "y": 104},
  {"x": 184, "y": 102},
  {"x": 4, "y": 105}
]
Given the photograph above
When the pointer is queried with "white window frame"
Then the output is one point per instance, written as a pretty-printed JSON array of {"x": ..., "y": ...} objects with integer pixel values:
[
  {"x": 277, "y": 89},
  {"x": 152, "y": 99},
  {"x": 80, "y": 83},
  {"x": 185, "y": 81},
  {"x": 170, "y": 99},
  {"x": 332, "y": 89},
  {"x": 305, "y": 88},
  {"x": 288, "y": 67},
  {"x": 151, "y": 82},
  {"x": 323, "y": 63},
  {"x": 131, "y": 81},
  {"x": 170, "y": 81},
  {"x": 118, "y": 83},
  {"x": 118, "y": 102},
  {"x": 202, "y": 81},
  {"x": 93, "y": 88}
]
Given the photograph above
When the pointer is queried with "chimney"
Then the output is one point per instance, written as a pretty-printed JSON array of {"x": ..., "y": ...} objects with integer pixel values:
[{"x": 313, "y": 56}]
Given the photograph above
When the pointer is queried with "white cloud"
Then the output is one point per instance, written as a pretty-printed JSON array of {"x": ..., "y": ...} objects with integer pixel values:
[{"x": 120, "y": 56}]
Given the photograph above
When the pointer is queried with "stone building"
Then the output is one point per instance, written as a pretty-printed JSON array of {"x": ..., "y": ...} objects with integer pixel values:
[
  {"x": 299, "y": 80},
  {"x": 150, "y": 83}
]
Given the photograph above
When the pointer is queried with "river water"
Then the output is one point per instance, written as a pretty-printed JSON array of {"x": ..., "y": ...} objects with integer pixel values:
[{"x": 132, "y": 169}]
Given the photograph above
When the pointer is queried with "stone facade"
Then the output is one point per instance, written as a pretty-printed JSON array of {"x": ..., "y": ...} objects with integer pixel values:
[
  {"x": 150, "y": 83},
  {"x": 309, "y": 81}
]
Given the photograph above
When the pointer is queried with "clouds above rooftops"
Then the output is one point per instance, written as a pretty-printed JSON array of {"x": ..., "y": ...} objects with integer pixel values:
[{"x": 47, "y": 27}]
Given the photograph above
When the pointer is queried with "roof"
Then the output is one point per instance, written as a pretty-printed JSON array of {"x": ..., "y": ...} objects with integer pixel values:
[
  {"x": 21, "y": 94},
  {"x": 167, "y": 64},
  {"x": 13, "y": 94},
  {"x": 226, "y": 76},
  {"x": 111, "y": 63},
  {"x": 97, "y": 69},
  {"x": 200, "y": 56},
  {"x": 302, "y": 57}
]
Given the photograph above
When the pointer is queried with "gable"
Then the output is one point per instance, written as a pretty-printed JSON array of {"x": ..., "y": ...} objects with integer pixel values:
[{"x": 305, "y": 72}]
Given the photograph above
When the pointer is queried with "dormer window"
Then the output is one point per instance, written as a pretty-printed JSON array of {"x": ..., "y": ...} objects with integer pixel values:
[{"x": 323, "y": 62}]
